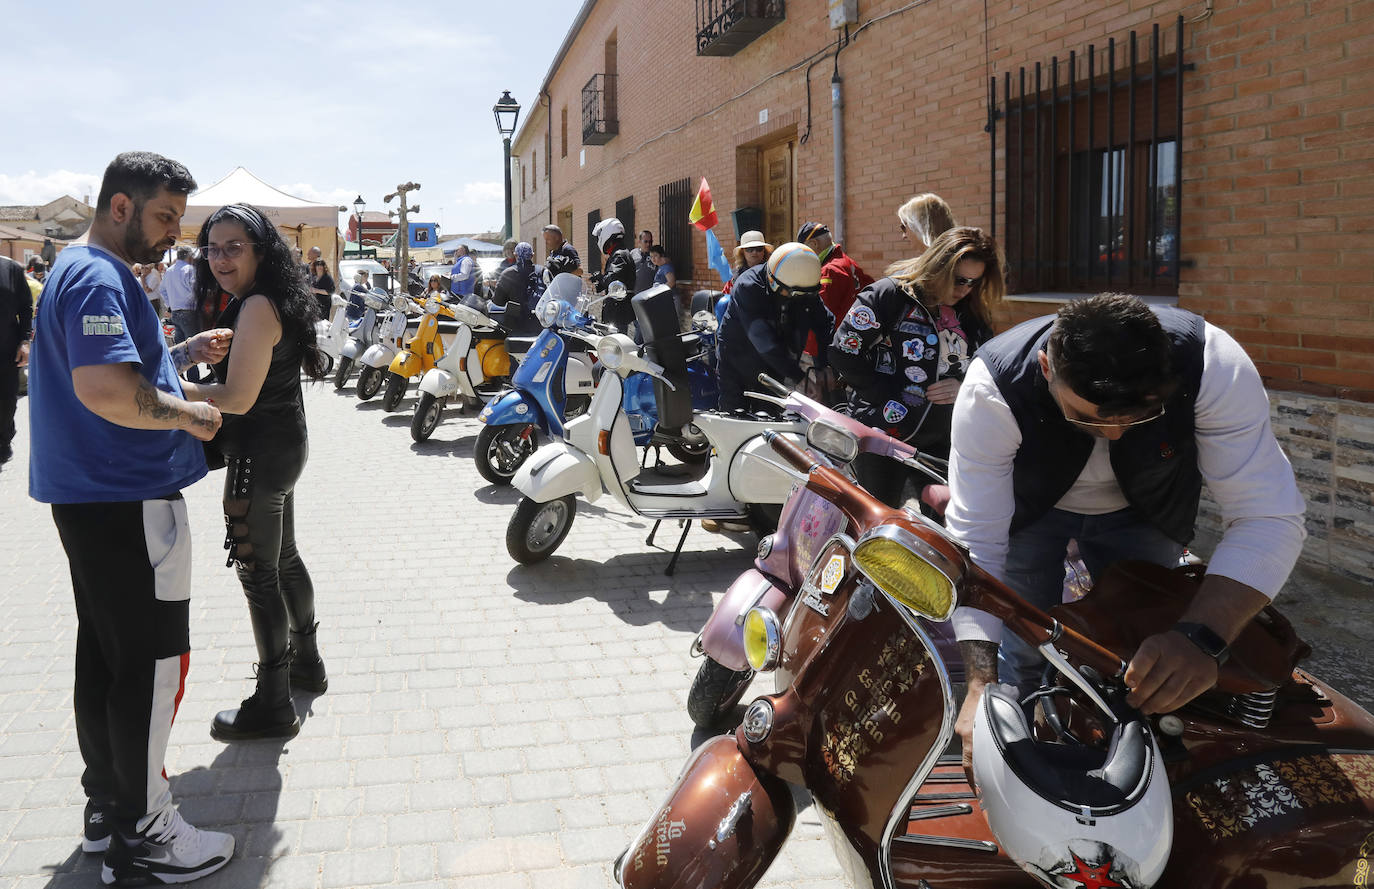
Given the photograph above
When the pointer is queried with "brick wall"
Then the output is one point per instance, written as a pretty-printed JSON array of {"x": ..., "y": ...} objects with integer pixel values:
[{"x": 1277, "y": 169}]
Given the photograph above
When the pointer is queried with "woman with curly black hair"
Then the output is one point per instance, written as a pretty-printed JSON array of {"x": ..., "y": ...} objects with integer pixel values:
[{"x": 258, "y": 390}]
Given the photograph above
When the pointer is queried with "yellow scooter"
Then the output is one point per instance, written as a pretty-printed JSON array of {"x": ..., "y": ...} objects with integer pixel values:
[{"x": 422, "y": 350}]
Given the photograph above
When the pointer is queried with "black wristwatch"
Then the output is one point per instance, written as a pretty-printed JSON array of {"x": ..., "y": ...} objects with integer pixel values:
[{"x": 1206, "y": 639}]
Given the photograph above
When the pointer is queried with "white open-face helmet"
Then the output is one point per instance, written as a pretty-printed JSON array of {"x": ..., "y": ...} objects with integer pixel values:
[
  {"x": 1068, "y": 813},
  {"x": 794, "y": 269},
  {"x": 606, "y": 229}
]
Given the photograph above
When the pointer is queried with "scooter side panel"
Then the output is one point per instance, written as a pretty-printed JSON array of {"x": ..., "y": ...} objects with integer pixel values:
[
  {"x": 754, "y": 474},
  {"x": 723, "y": 636},
  {"x": 556, "y": 470},
  {"x": 721, "y": 826},
  {"x": 513, "y": 406}
]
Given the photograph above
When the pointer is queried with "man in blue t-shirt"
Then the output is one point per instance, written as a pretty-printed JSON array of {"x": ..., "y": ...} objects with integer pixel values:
[{"x": 110, "y": 451}]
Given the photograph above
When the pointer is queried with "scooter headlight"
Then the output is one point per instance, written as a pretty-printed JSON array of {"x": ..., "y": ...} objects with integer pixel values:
[
  {"x": 549, "y": 312},
  {"x": 832, "y": 439},
  {"x": 432, "y": 307},
  {"x": 610, "y": 352},
  {"x": 907, "y": 569},
  {"x": 762, "y": 638}
]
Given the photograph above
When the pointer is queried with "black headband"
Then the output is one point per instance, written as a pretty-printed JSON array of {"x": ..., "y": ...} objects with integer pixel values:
[{"x": 251, "y": 217}]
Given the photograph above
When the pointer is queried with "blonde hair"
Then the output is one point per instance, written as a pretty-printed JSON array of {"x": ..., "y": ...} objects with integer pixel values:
[
  {"x": 927, "y": 216},
  {"x": 931, "y": 275}
]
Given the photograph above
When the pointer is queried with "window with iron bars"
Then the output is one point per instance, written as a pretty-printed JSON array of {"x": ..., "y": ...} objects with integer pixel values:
[
  {"x": 1093, "y": 170},
  {"x": 674, "y": 230}
]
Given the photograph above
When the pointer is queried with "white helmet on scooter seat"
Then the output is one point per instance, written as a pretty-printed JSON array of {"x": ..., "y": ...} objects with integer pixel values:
[
  {"x": 1067, "y": 813},
  {"x": 794, "y": 269},
  {"x": 606, "y": 229}
]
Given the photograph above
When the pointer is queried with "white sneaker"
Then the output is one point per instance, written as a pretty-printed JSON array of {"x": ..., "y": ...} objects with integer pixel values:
[{"x": 170, "y": 851}]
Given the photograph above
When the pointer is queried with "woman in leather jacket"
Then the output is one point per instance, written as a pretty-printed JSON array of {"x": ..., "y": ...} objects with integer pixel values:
[{"x": 907, "y": 341}]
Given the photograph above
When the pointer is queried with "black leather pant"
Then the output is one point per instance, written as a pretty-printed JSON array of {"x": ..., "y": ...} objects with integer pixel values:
[{"x": 259, "y": 516}]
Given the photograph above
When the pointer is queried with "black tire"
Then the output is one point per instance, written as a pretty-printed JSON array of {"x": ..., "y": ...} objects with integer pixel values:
[
  {"x": 715, "y": 692},
  {"x": 537, "y": 529},
  {"x": 693, "y": 448},
  {"x": 428, "y": 410},
  {"x": 395, "y": 391},
  {"x": 370, "y": 381},
  {"x": 342, "y": 371},
  {"x": 501, "y": 451},
  {"x": 328, "y": 368}
]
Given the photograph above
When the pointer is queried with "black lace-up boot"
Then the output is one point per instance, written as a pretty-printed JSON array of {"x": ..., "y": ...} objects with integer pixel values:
[
  {"x": 269, "y": 713},
  {"x": 307, "y": 670}
]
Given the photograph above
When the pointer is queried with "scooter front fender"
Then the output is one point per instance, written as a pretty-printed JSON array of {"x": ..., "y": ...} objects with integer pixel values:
[
  {"x": 405, "y": 364},
  {"x": 351, "y": 349},
  {"x": 438, "y": 382},
  {"x": 722, "y": 825},
  {"x": 513, "y": 406},
  {"x": 723, "y": 636},
  {"x": 556, "y": 470},
  {"x": 378, "y": 355}
]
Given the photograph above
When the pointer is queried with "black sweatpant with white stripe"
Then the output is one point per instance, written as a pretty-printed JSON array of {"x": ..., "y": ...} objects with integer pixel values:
[{"x": 131, "y": 575}]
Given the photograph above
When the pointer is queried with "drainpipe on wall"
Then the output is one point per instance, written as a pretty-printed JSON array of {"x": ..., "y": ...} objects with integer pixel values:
[
  {"x": 837, "y": 113},
  {"x": 548, "y": 146}
]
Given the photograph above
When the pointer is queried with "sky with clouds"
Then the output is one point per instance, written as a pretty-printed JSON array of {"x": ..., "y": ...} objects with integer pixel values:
[{"x": 322, "y": 100}]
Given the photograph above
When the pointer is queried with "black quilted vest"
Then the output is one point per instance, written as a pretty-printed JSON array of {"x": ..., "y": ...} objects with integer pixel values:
[{"x": 1155, "y": 463}]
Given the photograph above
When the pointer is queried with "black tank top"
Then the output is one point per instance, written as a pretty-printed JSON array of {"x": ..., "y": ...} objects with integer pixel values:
[{"x": 277, "y": 418}]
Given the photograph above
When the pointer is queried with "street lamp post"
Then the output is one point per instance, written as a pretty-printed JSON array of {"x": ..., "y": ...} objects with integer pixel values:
[
  {"x": 358, "y": 207},
  {"x": 507, "y": 112}
]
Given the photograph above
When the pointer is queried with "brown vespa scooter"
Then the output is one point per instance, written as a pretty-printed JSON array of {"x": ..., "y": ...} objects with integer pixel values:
[{"x": 1271, "y": 773}]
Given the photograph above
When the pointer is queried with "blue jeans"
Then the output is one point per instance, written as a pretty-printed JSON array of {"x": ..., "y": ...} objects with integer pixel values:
[
  {"x": 1035, "y": 569},
  {"x": 186, "y": 323}
]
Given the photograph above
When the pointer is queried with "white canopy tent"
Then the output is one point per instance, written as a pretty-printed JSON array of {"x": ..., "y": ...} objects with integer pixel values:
[
  {"x": 242, "y": 187},
  {"x": 303, "y": 223}
]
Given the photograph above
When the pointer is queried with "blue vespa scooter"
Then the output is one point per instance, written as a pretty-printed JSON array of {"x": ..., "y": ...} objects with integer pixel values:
[{"x": 555, "y": 381}]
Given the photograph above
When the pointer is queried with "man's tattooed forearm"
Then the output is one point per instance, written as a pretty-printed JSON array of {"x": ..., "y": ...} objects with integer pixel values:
[
  {"x": 980, "y": 659},
  {"x": 181, "y": 356},
  {"x": 151, "y": 404}
]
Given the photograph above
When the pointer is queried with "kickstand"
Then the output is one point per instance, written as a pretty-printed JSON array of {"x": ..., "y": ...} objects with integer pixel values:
[
  {"x": 672, "y": 563},
  {"x": 652, "y": 531}
]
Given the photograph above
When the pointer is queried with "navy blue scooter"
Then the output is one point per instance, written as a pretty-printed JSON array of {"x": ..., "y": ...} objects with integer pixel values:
[{"x": 555, "y": 381}]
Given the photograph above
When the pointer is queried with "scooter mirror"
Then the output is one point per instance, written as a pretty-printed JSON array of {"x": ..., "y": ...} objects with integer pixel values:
[{"x": 616, "y": 290}]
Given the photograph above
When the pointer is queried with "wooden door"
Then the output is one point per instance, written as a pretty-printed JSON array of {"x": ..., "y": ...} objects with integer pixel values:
[{"x": 775, "y": 172}]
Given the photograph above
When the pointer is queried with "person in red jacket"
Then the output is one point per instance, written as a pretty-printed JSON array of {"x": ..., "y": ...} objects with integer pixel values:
[{"x": 841, "y": 281}]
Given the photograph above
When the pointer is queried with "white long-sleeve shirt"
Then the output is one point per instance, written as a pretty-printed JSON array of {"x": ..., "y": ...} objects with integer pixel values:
[{"x": 1238, "y": 456}]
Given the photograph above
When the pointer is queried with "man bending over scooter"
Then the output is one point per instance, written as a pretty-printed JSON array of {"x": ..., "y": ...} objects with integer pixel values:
[{"x": 1101, "y": 425}]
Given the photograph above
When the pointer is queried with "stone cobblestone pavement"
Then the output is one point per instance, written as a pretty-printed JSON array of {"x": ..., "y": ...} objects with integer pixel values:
[{"x": 486, "y": 725}]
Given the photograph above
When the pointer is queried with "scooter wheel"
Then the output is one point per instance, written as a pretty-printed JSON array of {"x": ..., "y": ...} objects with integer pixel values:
[
  {"x": 395, "y": 391},
  {"x": 342, "y": 371},
  {"x": 715, "y": 692},
  {"x": 369, "y": 381},
  {"x": 428, "y": 410},
  {"x": 537, "y": 529},
  {"x": 501, "y": 450},
  {"x": 329, "y": 366}
]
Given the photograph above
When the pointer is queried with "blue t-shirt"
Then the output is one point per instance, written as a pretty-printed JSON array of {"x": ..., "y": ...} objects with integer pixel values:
[{"x": 94, "y": 311}]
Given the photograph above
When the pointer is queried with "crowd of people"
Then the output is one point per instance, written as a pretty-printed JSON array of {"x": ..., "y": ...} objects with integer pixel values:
[{"x": 1099, "y": 424}]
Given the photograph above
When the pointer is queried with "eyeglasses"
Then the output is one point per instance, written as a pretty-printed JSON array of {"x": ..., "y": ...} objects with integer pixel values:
[
  {"x": 1093, "y": 424},
  {"x": 232, "y": 250},
  {"x": 961, "y": 281},
  {"x": 755, "y": 249}
]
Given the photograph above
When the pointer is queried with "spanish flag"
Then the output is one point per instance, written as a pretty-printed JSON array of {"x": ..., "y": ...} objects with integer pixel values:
[{"x": 703, "y": 214}]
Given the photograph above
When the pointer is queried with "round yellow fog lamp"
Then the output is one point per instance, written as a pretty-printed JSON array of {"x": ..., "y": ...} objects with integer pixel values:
[{"x": 762, "y": 638}]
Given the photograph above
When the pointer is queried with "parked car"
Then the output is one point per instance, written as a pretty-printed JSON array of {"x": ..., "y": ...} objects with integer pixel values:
[{"x": 377, "y": 274}]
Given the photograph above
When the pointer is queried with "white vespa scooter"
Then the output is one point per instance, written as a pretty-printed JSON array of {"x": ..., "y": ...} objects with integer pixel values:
[
  {"x": 362, "y": 334},
  {"x": 598, "y": 452},
  {"x": 331, "y": 334},
  {"x": 376, "y": 360},
  {"x": 474, "y": 367}
]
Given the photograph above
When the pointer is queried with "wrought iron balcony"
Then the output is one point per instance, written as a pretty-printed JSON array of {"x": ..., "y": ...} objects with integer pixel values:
[
  {"x": 724, "y": 27},
  {"x": 600, "y": 120}
]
